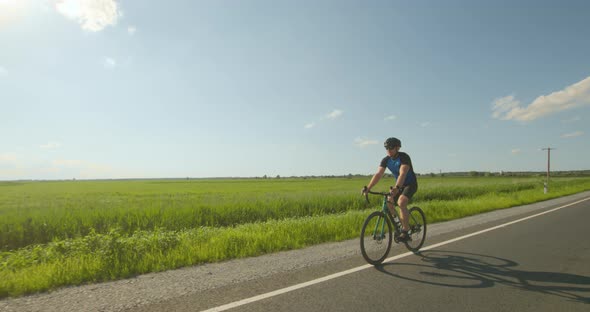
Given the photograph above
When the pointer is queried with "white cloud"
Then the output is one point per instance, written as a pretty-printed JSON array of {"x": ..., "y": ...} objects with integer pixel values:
[
  {"x": 10, "y": 165},
  {"x": 3, "y": 72},
  {"x": 334, "y": 114},
  {"x": 516, "y": 151},
  {"x": 573, "y": 119},
  {"x": 572, "y": 135},
  {"x": 67, "y": 163},
  {"x": 360, "y": 142},
  {"x": 50, "y": 145},
  {"x": 14, "y": 167},
  {"x": 573, "y": 96},
  {"x": 109, "y": 63},
  {"x": 425, "y": 124},
  {"x": 12, "y": 11},
  {"x": 81, "y": 168},
  {"x": 45, "y": 6},
  {"x": 504, "y": 105},
  {"x": 8, "y": 158},
  {"x": 131, "y": 30},
  {"x": 92, "y": 15},
  {"x": 391, "y": 117}
]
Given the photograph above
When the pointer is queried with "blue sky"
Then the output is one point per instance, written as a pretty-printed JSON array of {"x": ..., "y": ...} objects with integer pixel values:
[{"x": 148, "y": 89}]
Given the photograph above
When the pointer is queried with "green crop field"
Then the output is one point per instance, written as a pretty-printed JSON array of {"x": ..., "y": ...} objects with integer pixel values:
[{"x": 54, "y": 234}]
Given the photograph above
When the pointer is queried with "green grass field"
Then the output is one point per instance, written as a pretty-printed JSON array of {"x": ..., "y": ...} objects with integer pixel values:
[{"x": 54, "y": 234}]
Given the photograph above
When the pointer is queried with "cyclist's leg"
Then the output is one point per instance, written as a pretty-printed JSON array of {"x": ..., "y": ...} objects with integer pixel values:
[
  {"x": 390, "y": 205},
  {"x": 403, "y": 201}
]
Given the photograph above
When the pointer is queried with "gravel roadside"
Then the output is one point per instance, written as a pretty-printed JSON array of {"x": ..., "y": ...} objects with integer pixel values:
[{"x": 158, "y": 287}]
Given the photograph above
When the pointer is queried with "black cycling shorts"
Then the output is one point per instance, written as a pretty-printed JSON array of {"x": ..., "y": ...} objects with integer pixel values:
[{"x": 410, "y": 190}]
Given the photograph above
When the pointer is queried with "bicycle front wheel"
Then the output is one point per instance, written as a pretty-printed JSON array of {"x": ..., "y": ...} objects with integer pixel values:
[
  {"x": 417, "y": 229},
  {"x": 376, "y": 238}
]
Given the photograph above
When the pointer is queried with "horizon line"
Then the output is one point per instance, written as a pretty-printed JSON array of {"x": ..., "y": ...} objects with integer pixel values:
[{"x": 501, "y": 172}]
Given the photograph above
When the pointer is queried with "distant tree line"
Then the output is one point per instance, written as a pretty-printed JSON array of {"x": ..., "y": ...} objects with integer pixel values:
[{"x": 571, "y": 173}]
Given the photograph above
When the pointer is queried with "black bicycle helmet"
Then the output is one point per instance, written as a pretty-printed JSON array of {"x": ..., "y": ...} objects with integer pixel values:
[{"x": 392, "y": 142}]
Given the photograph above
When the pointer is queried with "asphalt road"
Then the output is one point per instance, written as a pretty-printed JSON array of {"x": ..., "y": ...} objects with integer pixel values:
[{"x": 539, "y": 264}]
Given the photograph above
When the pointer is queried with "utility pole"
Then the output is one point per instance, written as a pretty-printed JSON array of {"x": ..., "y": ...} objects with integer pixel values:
[{"x": 548, "y": 149}]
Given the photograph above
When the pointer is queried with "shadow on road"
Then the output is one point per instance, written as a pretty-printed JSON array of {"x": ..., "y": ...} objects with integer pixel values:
[{"x": 467, "y": 270}]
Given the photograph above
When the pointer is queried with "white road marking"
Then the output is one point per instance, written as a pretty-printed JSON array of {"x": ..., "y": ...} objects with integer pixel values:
[{"x": 366, "y": 266}]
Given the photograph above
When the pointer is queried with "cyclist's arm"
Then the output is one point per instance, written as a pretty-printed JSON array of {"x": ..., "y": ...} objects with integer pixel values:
[
  {"x": 376, "y": 177},
  {"x": 403, "y": 172}
]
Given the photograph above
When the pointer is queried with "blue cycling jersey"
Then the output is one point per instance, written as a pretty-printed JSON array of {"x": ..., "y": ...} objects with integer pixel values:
[{"x": 393, "y": 164}]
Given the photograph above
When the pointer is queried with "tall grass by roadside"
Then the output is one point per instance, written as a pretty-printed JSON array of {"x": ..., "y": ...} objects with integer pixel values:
[
  {"x": 37, "y": 213},
  {"x": 116, "y": 254},
  {"x": 102, "y": 257}
]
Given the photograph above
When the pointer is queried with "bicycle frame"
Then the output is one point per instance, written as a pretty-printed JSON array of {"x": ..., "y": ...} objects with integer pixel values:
[{"x": 395, "y": 220}]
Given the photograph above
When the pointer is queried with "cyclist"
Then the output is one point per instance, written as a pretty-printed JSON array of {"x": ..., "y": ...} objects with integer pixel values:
[{"x": 406, "y": 183}]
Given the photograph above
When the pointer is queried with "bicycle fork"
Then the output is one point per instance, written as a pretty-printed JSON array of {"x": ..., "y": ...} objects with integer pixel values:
[{"x": 382, "y": 235}]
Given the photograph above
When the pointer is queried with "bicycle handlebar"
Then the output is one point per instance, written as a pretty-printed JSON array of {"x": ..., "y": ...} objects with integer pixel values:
[{"x": 366, "y": 192}]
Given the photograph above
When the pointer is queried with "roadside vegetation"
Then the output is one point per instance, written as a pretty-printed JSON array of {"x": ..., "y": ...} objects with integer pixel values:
[{"x": 54, "y": 234}]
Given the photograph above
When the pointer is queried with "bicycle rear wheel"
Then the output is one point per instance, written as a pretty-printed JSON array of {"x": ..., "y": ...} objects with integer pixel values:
[
  {"x": 417, "y": 229},
  {"x": 376, "y": 238}
]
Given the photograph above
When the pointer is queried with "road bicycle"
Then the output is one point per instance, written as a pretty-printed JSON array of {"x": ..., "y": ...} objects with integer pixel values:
[{"x": 376, "y": 234}]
